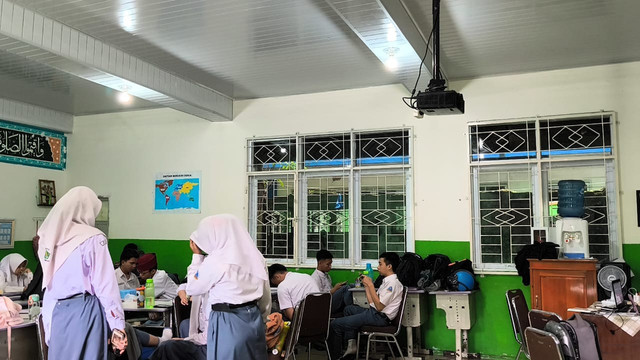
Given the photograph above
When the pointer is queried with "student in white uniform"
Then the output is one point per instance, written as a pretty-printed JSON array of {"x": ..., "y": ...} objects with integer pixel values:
[
  {"x": 127, "y": 279},
  {"x": 81, "y": 287},
  {"x": 383, "y": 307},
  {"x": 292, "y": 287},
  {"x": 14, "y": 272},
  {"x": 234, "y": 274},
  {"x": 164, "y": 287},
  {"x": 340, "y": 296}
]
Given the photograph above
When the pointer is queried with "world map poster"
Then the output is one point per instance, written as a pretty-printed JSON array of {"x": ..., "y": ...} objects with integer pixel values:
[{"x": 177, "y": 192}]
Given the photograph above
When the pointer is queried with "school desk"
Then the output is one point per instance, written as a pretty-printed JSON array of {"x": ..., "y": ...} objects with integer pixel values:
[
  {"x": 24, "y": 342},
  {"x": 133, "y": 314}
]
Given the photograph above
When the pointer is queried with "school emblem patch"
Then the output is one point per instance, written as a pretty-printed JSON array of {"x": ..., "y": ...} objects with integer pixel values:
[
  {"x": 390, "y": 288},
  {"x": 47, "y": 254}
]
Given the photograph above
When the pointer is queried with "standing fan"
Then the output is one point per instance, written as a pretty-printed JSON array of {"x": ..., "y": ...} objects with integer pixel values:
[{"x": 609, "y": 272}]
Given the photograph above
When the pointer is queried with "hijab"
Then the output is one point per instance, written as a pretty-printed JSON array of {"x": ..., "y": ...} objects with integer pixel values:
[
  {"x": 226, "y": 239},
  {"x": 8, "y": 267},
  {"x": 69, "y": 223}
]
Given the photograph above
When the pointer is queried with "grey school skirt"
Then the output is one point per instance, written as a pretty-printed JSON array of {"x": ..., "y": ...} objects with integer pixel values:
[
  {"x": 79, "y": 329},
  {"x": 236, "y": 334}
]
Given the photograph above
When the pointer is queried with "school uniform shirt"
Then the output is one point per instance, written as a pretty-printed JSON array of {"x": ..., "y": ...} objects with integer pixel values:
[
  {"x": 390, "y": 294},
  {"x": 198, "y": 330},
  {"x": 87, "y": 269},
  {"x": 124, "y": 283},
  {"x": 164, "y": 287},
  {"x": 323, "y": 280},
  {"x": 227, "y": 283},
  {"x": 294, "y": 288}
]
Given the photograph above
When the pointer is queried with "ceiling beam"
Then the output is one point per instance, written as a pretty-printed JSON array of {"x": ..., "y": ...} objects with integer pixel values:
[
  {"x": 33, "y": 115},
  {"x": 29, "y": 34}
]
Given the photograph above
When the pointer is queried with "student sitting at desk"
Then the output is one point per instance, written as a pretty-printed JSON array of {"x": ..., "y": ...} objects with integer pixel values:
[
  {"x": 165, "y": 288},
  {"x": 340, "y": 296},
  {"x": 383, "y": 307},
  {"x": 14, "y": 272},
  {"x": 292, "y": 287},
  {"x": 125, "y": 273},
  {"x": 193, "y": 332}
]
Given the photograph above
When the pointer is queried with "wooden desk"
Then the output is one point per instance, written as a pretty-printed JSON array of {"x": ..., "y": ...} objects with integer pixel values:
[
  {"x": 557, "y": 285},
  {"x": 617, "y": 345}
]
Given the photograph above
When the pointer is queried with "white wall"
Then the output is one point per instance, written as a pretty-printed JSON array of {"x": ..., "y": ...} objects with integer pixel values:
[
  {"x": 18, "y": 195},
  {"x": 119, "y": 154}
]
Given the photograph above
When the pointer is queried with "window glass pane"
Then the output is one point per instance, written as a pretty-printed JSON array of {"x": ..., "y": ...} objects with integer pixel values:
[
  {"x": 382, "y": 148},
  {"x": 327, "y": 151},
  {"x": 575, "y": 137},
  {"x": 503, "y": 141},
  {"x": 595, "y": 203},
  {"x": 383, "y": 214},
  {"x": 269, "y": 155},
  {"x": 327, "y": 215},
  {"x": 274, "y": 217},
  {"x": 505, "y": 208}
]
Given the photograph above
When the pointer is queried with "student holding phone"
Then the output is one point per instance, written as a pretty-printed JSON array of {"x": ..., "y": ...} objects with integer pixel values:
[
  {"x": 80, "y": 282},
  {"x": 340, "y": 296}
]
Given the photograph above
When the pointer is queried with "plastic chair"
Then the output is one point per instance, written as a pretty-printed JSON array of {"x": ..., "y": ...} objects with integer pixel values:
[
  {"x": 543, "y": 345},
  {"x": 519, "y": 312},
  {"x": 385, "y": 334},
  {"x": 538, "y": 318},
  {"x": 311, "y": 322}
]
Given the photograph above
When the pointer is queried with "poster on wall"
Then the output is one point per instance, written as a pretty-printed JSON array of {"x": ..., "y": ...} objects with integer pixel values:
[
  {"x": 32, "y": 146},
  {"x": 177, "y": 192},
  {"x": 7, "y": 228}
]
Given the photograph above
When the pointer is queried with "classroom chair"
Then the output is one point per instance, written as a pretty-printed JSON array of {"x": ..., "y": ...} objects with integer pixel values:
[
  {"x": 44, "y": 349},
  {"x": 311, "y": 322},
  {"x": 519, "y": 313},
  {"x": 543, "y": 345},
  {"x": 385, "y": 334},
  {"x": 180, "y": 312},
  {"x": 538, "y": 318}
]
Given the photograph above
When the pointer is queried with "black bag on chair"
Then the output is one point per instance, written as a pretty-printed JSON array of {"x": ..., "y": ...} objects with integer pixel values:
[{"x": 579, "y": 338}]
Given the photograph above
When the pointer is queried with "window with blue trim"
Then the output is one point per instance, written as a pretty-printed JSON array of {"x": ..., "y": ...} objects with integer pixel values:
[
  {"x": 347, "y": 192},
  {"x": 515, "y": 168}
]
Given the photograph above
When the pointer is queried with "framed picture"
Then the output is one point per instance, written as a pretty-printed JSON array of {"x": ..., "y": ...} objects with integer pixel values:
[
  {"x": 7, "y": 229},
  {"x": 47, "y": 193}
]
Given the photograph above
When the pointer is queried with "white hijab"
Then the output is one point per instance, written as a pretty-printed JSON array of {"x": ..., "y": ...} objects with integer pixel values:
[
  {"x": 226, "y": 239},
  {"x": 8, "y": 267},
  {"x": 69, "y": 224}
]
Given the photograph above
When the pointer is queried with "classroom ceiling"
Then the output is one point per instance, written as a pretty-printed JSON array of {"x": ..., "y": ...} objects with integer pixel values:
[{"x": 197, "y": 56}]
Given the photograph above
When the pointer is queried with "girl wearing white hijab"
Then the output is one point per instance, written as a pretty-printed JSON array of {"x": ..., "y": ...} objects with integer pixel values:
[
  {"x": 80, "y": 283},
  {"x": 234, "y": 275},
  {"x": 14, "y": 272}
]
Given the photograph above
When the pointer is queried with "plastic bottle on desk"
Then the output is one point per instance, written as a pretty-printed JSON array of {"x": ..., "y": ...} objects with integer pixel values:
[
  {"x": 149, "y": 294},
  {"x": 369, "y": 271},
  {"x": 34, "y": 306}
]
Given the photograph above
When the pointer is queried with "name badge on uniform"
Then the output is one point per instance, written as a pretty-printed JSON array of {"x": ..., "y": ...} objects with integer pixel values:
[{"x": 47, "y": 254}]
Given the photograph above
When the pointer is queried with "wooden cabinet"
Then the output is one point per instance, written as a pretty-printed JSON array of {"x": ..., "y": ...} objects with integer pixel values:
[{"x": 557, "y": 285}]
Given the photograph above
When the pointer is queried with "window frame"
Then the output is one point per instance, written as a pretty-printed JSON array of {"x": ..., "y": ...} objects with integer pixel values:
[
  {"x": 538, "y": 166},
  {"x": 352, "y": 170}
]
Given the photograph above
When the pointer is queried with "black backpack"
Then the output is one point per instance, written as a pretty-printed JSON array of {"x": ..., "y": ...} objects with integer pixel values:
[
  {"x": 578, "y": 337},
  {"x": 408, "y": 271},
  {"x": 434, "y": 273}
]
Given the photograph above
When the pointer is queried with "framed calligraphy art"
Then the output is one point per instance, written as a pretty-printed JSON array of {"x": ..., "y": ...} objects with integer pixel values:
[{"x": 32, "y": 146}]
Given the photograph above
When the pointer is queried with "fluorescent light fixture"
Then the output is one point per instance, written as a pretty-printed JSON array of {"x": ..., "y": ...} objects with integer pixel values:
[{"x": 124, "y": 98}]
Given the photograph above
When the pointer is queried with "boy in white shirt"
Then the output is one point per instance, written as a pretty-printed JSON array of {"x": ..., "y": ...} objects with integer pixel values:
[
  {"x": 292, "y": 287},
  {"x": 164, "y": 287},
  {"x": 383, "y": 307},
  {"x": 340, "y": 296},
  {"x": 125, "y": 273}
]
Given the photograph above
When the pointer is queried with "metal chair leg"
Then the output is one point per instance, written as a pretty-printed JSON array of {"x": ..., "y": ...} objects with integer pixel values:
[
  {"x": 368, "y": 343},
  {"x": 309, "y": 351},
  {"x": 390, "y": 349},
  {"x": 326, "y": 346},
  {"x": 398, "y": 346},
  {"x": 519, "y": 352},
  {"x": 358, "y": 346}
]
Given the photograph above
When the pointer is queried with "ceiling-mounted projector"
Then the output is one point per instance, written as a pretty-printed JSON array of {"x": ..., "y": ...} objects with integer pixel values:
[{"x": 436, "y": 99}]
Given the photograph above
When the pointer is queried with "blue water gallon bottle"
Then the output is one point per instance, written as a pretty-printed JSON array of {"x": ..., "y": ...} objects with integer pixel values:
[
  {"x": 369, "y": 271},
  {"x": 571, "y": 198}
]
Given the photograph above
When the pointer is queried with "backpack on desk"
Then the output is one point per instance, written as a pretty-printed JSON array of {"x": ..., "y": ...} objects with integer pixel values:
[{"x": 9, "y": 316}]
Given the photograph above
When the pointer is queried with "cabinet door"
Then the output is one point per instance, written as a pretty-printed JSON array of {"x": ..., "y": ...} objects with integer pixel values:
[{"x": 556, "y": 291}]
